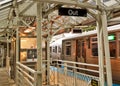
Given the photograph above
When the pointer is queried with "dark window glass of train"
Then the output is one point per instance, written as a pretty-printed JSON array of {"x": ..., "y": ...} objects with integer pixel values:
[
  {"x": 78, "y": 49},
  {"x": 94, "y": 49},
  {"x": 50, "y": 49},
  {"x": 55, "y": 49},
  {"x": 59, "y": 49},
  {"x": 112, "y": 46},
  {"x": 94, "y": 39},
  {"x": 83, "y": 50},
  {"x": 68, "y": 50},
  {"x": 88, "y": 42}
]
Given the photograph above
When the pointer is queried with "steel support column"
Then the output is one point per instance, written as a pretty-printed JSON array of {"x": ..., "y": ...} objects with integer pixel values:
[
  {"x": 106, "y": 48},
  {"x": 39, "y": 44},
  {"x": 17, "y": 37},
  {"x": 8, "y": 58},
  {"x": 3, "y": 55},
  {"x": 48, "y": 59},
  {"x": 100, "y": 47},
  {"x": 100, "y": 54},
  {"x": 17, "y": 31}
]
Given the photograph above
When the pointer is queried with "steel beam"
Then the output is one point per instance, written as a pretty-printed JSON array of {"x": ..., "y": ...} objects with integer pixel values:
[
  {"x": 25, "y": 9},
  {"x": 39, "y": 44},
  {"x": 51, "y": 10},
  {"x": 25, "y": 23},
  {"x": 106, "y": 48},
  {"x": 71, "y": 2}
]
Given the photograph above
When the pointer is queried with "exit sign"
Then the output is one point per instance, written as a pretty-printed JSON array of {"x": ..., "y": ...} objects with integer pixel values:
[{"x": 72, "y": 12}]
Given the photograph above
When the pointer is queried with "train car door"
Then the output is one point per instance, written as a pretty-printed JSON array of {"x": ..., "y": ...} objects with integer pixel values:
[{"x": 80, "y": 51}]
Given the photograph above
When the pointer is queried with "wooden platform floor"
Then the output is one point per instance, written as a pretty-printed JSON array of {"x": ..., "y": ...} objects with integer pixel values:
[{"x": 5, "y": 79}]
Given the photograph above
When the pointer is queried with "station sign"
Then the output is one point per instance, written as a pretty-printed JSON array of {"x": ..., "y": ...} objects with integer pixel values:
[{"x": 72, "y": 12}]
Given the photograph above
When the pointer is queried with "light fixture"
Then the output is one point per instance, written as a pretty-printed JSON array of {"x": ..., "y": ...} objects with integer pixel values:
[{"x": 28, "y": 30}]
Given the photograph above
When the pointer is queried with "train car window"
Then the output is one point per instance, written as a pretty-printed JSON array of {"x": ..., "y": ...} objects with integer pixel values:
[
  {"x": 53, "y": 49},
  {"x": 59, "y": 49},
  {"x": 50, "y": 49},
  {"x": 68, "y": 48},
  {"x": 94, "y": 39},
  {"x": 83, "y": 50},
  {"x": 80, "y": 48},
  {"x": 94, "y": 46},
  {"x": 112, "y": 46},
  {"x": 88, "y": 42},
  {"x": 119, "y": 43},
  {"x": 94, "y": 49}
]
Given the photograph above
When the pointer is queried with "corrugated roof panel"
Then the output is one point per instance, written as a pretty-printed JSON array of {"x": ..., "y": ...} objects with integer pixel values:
[{"x": 4, "y": 1}]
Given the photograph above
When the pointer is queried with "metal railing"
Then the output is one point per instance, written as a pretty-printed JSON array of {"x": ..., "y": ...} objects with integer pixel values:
[
  {"x": 68, "y": 73},
  {"x": 25, "y": 75},
  {"x": 60, "y": 73}
]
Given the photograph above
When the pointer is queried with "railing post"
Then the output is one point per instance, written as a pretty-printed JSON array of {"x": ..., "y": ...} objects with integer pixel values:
[
  {"x": 57, "y": 72},
  {"x": 17, "y": 81},
  {"x": 36, "y": 74},
  {"x": 48, "y": 60},
  {"x": 65, "y": 72},
  {"x": 74, "y": 84},
  {"x": 35, "y": 77}
]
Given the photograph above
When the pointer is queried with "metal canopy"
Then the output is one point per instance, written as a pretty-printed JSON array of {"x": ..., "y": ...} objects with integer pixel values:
[{"x": 27, "y": 12}]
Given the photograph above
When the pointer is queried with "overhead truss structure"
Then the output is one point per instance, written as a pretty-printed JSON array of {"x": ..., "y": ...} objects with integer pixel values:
[{"x": 51, "y": 19}]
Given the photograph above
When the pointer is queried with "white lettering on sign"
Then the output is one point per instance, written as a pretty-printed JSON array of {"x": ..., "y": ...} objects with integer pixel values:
[{"x": 72, "y": 13}]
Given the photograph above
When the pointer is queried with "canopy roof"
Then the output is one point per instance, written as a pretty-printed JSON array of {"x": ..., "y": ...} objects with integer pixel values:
[{"x": 27, "y": 10}]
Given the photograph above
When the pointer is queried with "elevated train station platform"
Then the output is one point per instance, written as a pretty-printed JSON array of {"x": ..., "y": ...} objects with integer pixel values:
[{"x": 28, "y": 27}]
